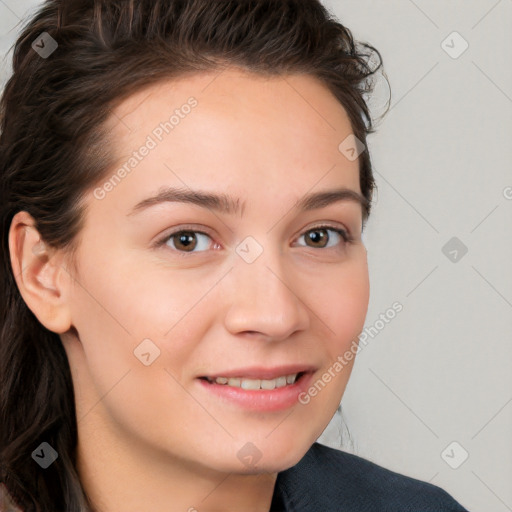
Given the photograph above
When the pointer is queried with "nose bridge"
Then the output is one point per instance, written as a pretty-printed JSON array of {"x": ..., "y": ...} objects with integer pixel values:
[{"x": 262, "y": 298}]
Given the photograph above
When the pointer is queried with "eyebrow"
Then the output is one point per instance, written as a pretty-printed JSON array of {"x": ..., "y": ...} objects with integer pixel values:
[{"x": 229, "y": 205}]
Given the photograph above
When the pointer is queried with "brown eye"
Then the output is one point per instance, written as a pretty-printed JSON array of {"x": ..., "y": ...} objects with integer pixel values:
[
  {"x": 188, "y": 241},
  {"x": 320, "y": 238}
]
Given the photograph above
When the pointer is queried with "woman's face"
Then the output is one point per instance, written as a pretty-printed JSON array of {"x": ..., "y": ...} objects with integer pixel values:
[{"x": 174, "y": 298}]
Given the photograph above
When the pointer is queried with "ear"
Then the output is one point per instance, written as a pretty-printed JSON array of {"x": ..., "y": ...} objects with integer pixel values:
[{"x": 40, "y": 274}]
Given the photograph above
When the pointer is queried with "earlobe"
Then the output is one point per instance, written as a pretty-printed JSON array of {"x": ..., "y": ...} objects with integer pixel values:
[{"x": 40, "y": 274}]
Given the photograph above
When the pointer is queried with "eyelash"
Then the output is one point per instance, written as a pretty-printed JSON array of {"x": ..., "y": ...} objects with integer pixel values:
[{"x": 345, "y": 235}]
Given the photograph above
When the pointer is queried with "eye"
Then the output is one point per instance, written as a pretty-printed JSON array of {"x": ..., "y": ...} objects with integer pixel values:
[
  {"x": 187, "y": 241},
  {"x": 321, "y": 239}
]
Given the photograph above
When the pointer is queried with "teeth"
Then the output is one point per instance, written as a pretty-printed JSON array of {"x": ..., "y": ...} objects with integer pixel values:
[
  {"x": 250, "y": 383},
  {"x": 280, "y": 382},
  {"x": 254, "y": 384},
  {"x": 290, "y": 379},
  {"x": 268, "y": 384}
]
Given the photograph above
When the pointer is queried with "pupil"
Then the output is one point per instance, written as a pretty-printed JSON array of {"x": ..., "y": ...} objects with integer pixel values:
[
  {"x": 186, "y": 239},
  {"x": 317, "y": 236}
]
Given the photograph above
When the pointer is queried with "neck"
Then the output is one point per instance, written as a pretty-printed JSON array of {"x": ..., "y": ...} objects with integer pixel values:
[{"x": 119, "y": 474}]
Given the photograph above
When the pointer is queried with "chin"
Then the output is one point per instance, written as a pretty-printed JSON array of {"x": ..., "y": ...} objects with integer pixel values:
[
  {"x": 279, "y": 454},
  {"x": 261, "y": 455}
]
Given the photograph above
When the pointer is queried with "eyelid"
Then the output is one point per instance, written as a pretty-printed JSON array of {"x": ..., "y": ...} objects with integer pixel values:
[
  {"x": 195, "y": 228},
  {"x": 327, "y": 225}
]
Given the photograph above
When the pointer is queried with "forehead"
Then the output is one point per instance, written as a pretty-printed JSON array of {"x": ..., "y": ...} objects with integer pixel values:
[
  {"x": 245, "y": 92},
  {"x": 221, "y": 129}
]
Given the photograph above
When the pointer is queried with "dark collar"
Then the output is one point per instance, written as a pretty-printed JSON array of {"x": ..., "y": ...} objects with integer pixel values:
[
  {"x": 330, "y": 480},
  {"x": 296, "y": 489}
]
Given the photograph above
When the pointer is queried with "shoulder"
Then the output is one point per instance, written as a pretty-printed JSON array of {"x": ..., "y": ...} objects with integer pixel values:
[{"x": 334, "y": 477}]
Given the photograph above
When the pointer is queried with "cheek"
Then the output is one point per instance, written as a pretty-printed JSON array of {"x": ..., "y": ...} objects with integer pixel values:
[
  {"x": 116, "y": 307},
  {"x": 342, "y": 303},
  {"x": 133, "y": 299},
  {"x": 113, "y": 315}
]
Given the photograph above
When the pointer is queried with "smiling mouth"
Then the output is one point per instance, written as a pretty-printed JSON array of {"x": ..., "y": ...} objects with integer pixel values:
[{"x": 256, "y": 384}]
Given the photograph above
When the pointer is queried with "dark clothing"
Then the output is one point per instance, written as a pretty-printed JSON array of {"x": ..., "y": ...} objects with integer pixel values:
[{"x": 329, "y": 480}]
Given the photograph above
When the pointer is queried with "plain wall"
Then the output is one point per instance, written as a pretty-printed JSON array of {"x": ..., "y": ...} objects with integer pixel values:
[{"x": 440, "y": 371}]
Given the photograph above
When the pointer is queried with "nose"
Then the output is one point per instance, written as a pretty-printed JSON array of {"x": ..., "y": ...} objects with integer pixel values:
[{"x": 263, "y": 300}]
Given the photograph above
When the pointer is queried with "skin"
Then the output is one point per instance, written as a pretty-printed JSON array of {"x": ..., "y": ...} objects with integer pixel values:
[{"x": 150, "y": 437}]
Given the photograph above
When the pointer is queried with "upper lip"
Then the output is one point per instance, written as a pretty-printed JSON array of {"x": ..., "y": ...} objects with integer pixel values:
[{"x": 260, "y": 372}]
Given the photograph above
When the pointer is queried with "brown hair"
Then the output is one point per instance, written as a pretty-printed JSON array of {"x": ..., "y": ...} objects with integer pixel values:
[{"x": 53, "y": 151}]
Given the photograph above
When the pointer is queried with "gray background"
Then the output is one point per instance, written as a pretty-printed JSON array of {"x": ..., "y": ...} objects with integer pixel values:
[{"x": 440, "y": 371}]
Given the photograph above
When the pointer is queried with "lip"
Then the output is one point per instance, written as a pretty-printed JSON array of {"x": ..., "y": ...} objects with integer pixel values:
[
  {"x": 268, "y": 400},
  {"x": 260, "y": 372}
]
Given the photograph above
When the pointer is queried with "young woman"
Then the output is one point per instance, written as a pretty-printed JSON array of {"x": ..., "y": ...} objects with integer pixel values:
[{"x": 184, "y": 184}]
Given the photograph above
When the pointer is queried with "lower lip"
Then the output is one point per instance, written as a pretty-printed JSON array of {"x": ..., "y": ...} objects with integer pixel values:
[{"x": 260, "y": 400}]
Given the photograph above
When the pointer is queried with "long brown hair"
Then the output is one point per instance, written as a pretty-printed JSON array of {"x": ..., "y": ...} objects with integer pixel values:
[{"x": 53, "y": 151}]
